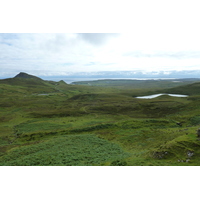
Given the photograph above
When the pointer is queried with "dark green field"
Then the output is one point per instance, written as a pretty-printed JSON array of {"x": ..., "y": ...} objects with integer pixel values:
[{"x": 98, "y": 123}]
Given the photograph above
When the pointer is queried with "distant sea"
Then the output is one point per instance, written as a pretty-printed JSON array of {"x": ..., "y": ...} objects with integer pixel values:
[{"x": 71, "y": 80}]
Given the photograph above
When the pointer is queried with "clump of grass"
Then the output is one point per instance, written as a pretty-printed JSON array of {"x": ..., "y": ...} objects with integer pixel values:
[
  {"x": 195, "y": 120},
  {"x": 68, "y": 150}
]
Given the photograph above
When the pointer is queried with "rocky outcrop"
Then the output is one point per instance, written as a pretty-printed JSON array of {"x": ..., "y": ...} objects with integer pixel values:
[
  {"x": 159, "y": 155},
  {"x": 198, "y": 133},
  {"x": 190, "y": 154}
]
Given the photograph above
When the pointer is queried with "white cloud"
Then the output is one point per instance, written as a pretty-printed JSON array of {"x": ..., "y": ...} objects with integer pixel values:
[{"x": 143, "y": 49}]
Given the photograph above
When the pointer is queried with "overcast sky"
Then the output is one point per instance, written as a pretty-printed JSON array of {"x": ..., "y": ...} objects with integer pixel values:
[{"x": 161, "y": 36}]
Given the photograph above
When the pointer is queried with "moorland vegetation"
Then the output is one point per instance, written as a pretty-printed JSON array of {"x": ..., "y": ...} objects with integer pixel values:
[{"x": 94, "y": 123}]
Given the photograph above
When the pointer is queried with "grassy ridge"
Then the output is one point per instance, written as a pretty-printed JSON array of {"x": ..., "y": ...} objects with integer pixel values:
[
  {"x": 190, "y": 89},
  {"x": 138, "y": 84}
]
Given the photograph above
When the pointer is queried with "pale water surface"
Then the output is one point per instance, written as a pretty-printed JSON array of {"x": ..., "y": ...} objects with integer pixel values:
[{"x": 157, "y": 95}]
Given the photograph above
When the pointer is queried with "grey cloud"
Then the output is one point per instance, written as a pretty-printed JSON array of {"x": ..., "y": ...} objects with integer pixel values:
[{"x": 97, "y": 38}]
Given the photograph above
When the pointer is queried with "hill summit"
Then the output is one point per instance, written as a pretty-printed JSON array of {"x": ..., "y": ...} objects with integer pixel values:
[{"x": 25, "y": 75}]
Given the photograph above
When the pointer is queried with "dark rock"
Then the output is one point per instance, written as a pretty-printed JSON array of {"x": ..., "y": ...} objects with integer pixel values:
[
  {"x": 159, "y": 155},
  {"x": 190, "y": 154},
  {"x": 198, "y": 132},
  {"x": 118, "y": 163},
  {"x": 179, "y": 123}
]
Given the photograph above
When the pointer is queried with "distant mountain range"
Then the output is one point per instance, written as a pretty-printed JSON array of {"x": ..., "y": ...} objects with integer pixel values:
[
  {"x": 24, "y": 82},
  {"x": 132, "y": 74},
  {"x": 118, "y": 74}
]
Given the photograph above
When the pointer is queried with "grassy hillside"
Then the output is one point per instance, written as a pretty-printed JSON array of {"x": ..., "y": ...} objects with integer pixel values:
[
  {"x": 190, "y": 89},
  {"x": 53, "y": 123},
  {"x": 138, "y": 84}
]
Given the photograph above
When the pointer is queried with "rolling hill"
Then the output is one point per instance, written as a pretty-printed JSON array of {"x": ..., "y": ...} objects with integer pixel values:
[
  {"x": 28, "y": 84},
  {"x": 54, "y": 123},
  {"x": 189, "y": 89}
]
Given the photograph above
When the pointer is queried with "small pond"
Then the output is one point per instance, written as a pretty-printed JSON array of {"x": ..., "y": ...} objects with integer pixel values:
[{"x": 157, "y": 95}]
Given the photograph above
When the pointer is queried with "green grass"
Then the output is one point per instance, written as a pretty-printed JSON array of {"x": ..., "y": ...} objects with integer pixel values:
[
  {"x": 69, "y": 150},
  {"x": 97, "y": 125}
]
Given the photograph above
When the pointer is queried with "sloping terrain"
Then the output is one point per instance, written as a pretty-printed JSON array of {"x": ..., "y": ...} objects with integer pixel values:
[
  {"x": 53, "y": 123},
  {"x": 190, "y": 89}
]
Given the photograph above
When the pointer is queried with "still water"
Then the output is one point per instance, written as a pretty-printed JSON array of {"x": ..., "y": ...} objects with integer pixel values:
[{"x": 157, "y": 95}]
